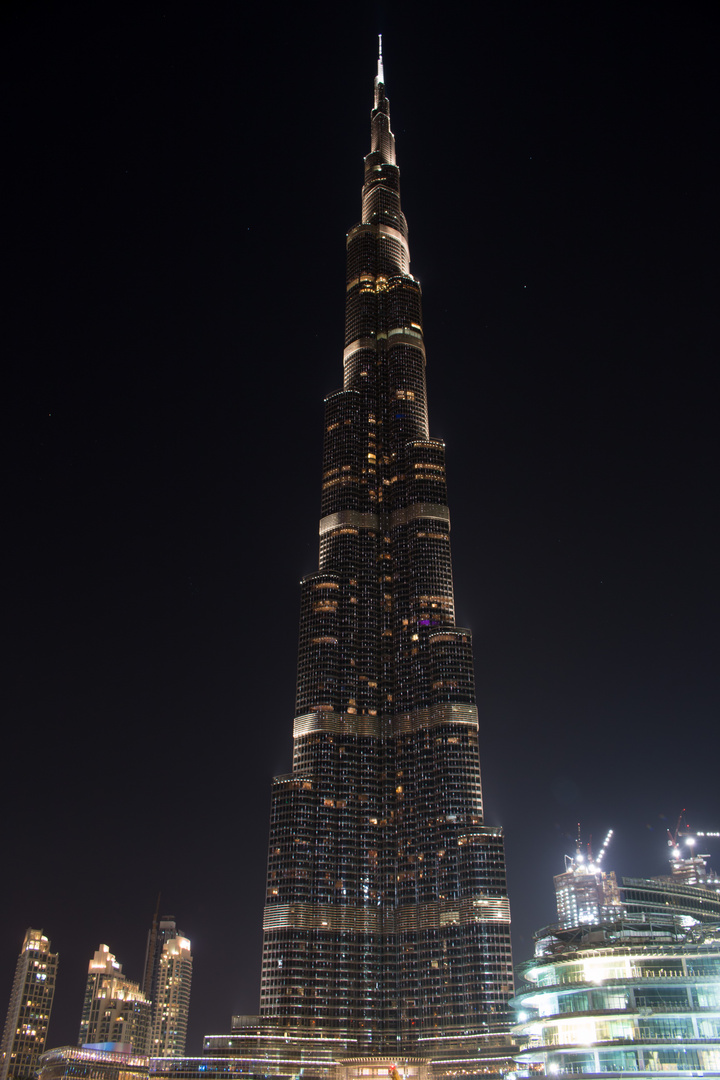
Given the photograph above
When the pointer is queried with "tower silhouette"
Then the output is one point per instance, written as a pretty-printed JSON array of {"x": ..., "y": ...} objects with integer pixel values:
[{"x": 387, "y": 923}]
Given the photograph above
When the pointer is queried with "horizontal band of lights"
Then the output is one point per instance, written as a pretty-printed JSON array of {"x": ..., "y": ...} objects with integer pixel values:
[
  {"x": 81, "y": 1054},
  {"x": 375, "y": 230},
  {"x": 337, "y": 723},
  {"x": 413, "y": 917},
  {"x": 342, "y": 723},
  {"x": 321, "y": 917},
  {"x": 356, "y": 520},
  {"x": 349, "y": 517},
  {"x": 464, "y": 912},
  {"x": 432, "y": 511},
  {"x": 435, "y": 716},
  {"x": 379, "y": 1061},
  {"x": 400, "y": 335},
  {"x": 487, "y": 1042},
  {"x": 199, "y": 1067}
]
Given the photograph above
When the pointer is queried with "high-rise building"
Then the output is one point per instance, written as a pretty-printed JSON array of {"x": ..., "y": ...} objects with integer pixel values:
[
  {"x": 28, "y": 1013},
  {"x": 116, "y": 1013},
  {"x": 387, "y": 923},
  {"x": 586, "y": 893},
  {"x": 162, "y": 930},
  {"x": 171, "y": 1003},
  {"x": 167, "y": 981}
]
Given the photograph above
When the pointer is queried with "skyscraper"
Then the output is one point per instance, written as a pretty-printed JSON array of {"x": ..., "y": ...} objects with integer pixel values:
[
  {"x": 167, "y": 980},
  {"x": 585, "y": 893},
  {"x": 171, "y": 1001},
  {"x": 161, "y": 931},
  {"x": 28, "y": 1013},
  {"x": 387, "y": 923},
  {"x": 116, "y": 1012}
]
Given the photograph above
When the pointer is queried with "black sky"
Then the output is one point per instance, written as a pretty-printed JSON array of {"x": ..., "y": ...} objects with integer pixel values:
[{"x": 178, "y": 181}]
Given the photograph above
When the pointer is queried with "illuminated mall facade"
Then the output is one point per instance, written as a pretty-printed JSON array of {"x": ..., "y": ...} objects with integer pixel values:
[{"x": 633, "y": 988}]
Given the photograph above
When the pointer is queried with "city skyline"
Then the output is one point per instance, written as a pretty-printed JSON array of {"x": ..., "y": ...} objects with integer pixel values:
[{"x": 561, "y": 237}]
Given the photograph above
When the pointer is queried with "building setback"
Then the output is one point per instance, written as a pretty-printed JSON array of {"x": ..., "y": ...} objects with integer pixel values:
[
  {"x": 28, "y": 1013},
  {"x": 387, "y": 923}
]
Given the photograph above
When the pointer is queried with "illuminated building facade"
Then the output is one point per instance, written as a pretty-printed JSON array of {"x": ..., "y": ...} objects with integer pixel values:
[
  {"x": 161, "y": 931},
  {"x": 638, "y": 992},
  {"x": 167, "y": 981},
  {"x": 585, "y": 895},
  {"x": 87, "y": 1063},
  {"x": 171, "y": 1003},
  {"x": 387, "y": 923},
  {"x": 116, "y": 1012},
  {"x": 28, "y": 1013}
]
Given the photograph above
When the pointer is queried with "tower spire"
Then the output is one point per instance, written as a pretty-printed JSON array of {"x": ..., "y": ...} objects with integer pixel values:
[{"x": 380, "y": 77}]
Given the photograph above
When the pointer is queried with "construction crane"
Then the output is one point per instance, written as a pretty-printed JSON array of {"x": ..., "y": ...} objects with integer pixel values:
[
  {"x": 673, "y": 837},
  {"x": 592, "y": 864},
  {"x": 604, "y": 847},
  {"x": 691, "y": 866}
]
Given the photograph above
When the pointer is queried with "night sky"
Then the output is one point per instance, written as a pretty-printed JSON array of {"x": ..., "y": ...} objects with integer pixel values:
[{"x": 178, "y": 182}]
